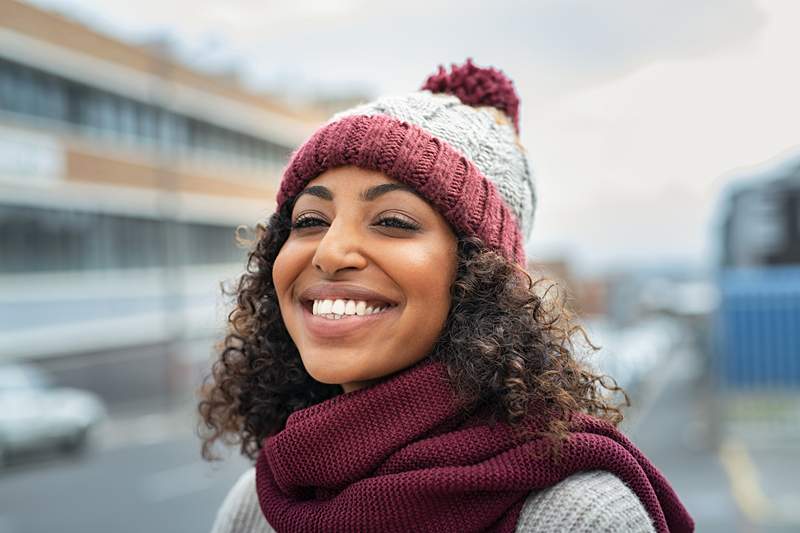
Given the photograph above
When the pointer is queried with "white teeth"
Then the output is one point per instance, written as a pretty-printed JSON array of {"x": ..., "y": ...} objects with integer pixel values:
[
  {"x": 339, "y": 308},
  {"x": 325, "y": 307}
]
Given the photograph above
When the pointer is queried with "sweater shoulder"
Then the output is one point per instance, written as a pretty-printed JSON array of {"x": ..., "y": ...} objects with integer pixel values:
[
  {"x": 240, "y": 511},
  {"x": 585, "y": 502}
]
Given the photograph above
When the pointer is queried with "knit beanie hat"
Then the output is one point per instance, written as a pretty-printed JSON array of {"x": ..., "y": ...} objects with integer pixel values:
[{"x": 448, "y": 142}]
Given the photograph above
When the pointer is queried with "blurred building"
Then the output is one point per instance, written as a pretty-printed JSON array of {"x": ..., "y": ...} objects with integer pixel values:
[
  {"x": 123, "y": 175},
  {"x": 761, "y": 219}
]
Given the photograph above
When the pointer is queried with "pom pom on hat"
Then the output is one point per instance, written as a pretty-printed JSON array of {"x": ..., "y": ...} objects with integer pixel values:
[{"x": 476, "y": 86}]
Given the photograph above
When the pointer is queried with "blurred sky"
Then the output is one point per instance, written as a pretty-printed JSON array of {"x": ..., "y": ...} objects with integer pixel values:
[{"x": 635, "y": 113}]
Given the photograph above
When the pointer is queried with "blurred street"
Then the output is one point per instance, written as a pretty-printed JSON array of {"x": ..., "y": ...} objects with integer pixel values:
[
  {"x": 744, "y": 486},
  {"x": 667, "y": 427},
  {"x": 143, "y": 473}
]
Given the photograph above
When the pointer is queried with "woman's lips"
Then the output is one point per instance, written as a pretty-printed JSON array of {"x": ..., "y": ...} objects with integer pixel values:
[
  {"x": 343, "y": 291},
  {"x": 328, "y": 328}
]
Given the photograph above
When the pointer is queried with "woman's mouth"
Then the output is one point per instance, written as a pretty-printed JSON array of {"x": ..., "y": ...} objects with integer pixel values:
[{"x": 332, "y": 318}]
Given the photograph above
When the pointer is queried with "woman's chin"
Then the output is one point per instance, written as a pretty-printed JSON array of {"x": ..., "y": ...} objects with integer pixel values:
[{"x": 334, "y": 369}]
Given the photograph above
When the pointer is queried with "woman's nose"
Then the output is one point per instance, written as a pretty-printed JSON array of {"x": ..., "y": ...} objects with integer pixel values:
[{"x": 340, "y": 248}]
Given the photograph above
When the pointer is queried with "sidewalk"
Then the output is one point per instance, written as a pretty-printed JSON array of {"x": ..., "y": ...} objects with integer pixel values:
[
  {"x": 761, "y": 453},
  {"x": 738, "y": 487}
]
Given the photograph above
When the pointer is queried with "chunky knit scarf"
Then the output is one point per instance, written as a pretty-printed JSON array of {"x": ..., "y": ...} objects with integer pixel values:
[{"x": 401, "y": 456}]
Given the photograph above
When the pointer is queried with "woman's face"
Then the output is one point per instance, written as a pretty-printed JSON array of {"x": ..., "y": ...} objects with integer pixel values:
[{"x": 363, "y": 280}]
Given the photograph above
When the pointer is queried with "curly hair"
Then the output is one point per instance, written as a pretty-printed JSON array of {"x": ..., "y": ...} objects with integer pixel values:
[{"x": 508, "y": 345}]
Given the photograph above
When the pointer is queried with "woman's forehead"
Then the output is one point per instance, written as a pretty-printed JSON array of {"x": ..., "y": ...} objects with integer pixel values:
[
  {"x": 356, "y": 184},
  {"x": 350, "y": 175}
]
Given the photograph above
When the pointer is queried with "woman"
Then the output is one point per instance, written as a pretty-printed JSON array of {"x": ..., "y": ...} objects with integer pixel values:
[{"x": 392, "y": 367}]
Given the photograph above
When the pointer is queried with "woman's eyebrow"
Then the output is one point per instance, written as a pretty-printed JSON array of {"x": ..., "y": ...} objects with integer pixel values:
[
  {"x": 373, "y": 192},
  {"x": 317, "y": 190},
  {"x": 370, "y": 194}
]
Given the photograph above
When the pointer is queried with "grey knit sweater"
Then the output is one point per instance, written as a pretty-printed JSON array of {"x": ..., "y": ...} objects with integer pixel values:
[{"x": 595, "y": 501}]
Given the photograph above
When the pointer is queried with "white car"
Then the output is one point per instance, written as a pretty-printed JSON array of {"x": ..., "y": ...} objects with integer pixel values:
[{"x": 36, "y": 415}]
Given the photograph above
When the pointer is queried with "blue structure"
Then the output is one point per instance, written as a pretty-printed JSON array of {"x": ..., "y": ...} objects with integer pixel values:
[
  {"x": 757, "y": 323},
  {"x": 758, "y": 327}
]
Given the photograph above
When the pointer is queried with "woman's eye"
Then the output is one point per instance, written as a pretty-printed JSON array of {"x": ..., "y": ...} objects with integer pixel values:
[
  {"x": 396, "y": 222},
  {"x": 311, "y": 221},
  {"x": 307, "y": 221}
]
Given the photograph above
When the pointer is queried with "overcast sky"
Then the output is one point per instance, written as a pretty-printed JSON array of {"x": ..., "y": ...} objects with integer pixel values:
[{"x": 635, "y": 113}]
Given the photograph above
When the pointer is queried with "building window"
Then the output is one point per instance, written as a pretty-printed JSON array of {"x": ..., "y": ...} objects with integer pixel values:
[
  {"x": 34, "y": 239},
  {"x": 92, "y": 111}
]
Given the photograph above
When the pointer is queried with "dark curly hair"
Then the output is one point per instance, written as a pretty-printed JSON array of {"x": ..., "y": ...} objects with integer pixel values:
[{"x": 508, "y": 344}]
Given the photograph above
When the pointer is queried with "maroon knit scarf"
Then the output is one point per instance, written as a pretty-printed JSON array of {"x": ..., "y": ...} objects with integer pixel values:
[{"x": 398, "y": 456}]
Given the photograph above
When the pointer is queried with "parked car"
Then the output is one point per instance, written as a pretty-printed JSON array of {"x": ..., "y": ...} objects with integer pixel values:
[{"x": 35, "y": 414}]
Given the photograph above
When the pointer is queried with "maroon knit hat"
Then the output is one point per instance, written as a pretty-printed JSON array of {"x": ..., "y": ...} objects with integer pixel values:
[{"x": 447, "y": 143}]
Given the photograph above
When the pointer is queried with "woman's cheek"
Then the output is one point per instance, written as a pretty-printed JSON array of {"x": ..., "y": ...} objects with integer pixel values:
[
  {"x": 427, "y": 275},
  {"x": 288, "y": 265}
]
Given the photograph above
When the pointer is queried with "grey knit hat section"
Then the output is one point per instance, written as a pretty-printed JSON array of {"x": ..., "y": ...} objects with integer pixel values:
[{"x": 475, "y": 133}]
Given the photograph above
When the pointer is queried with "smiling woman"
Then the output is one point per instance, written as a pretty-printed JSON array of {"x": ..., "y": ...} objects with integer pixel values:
[{"x": 391, "y": 366}]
